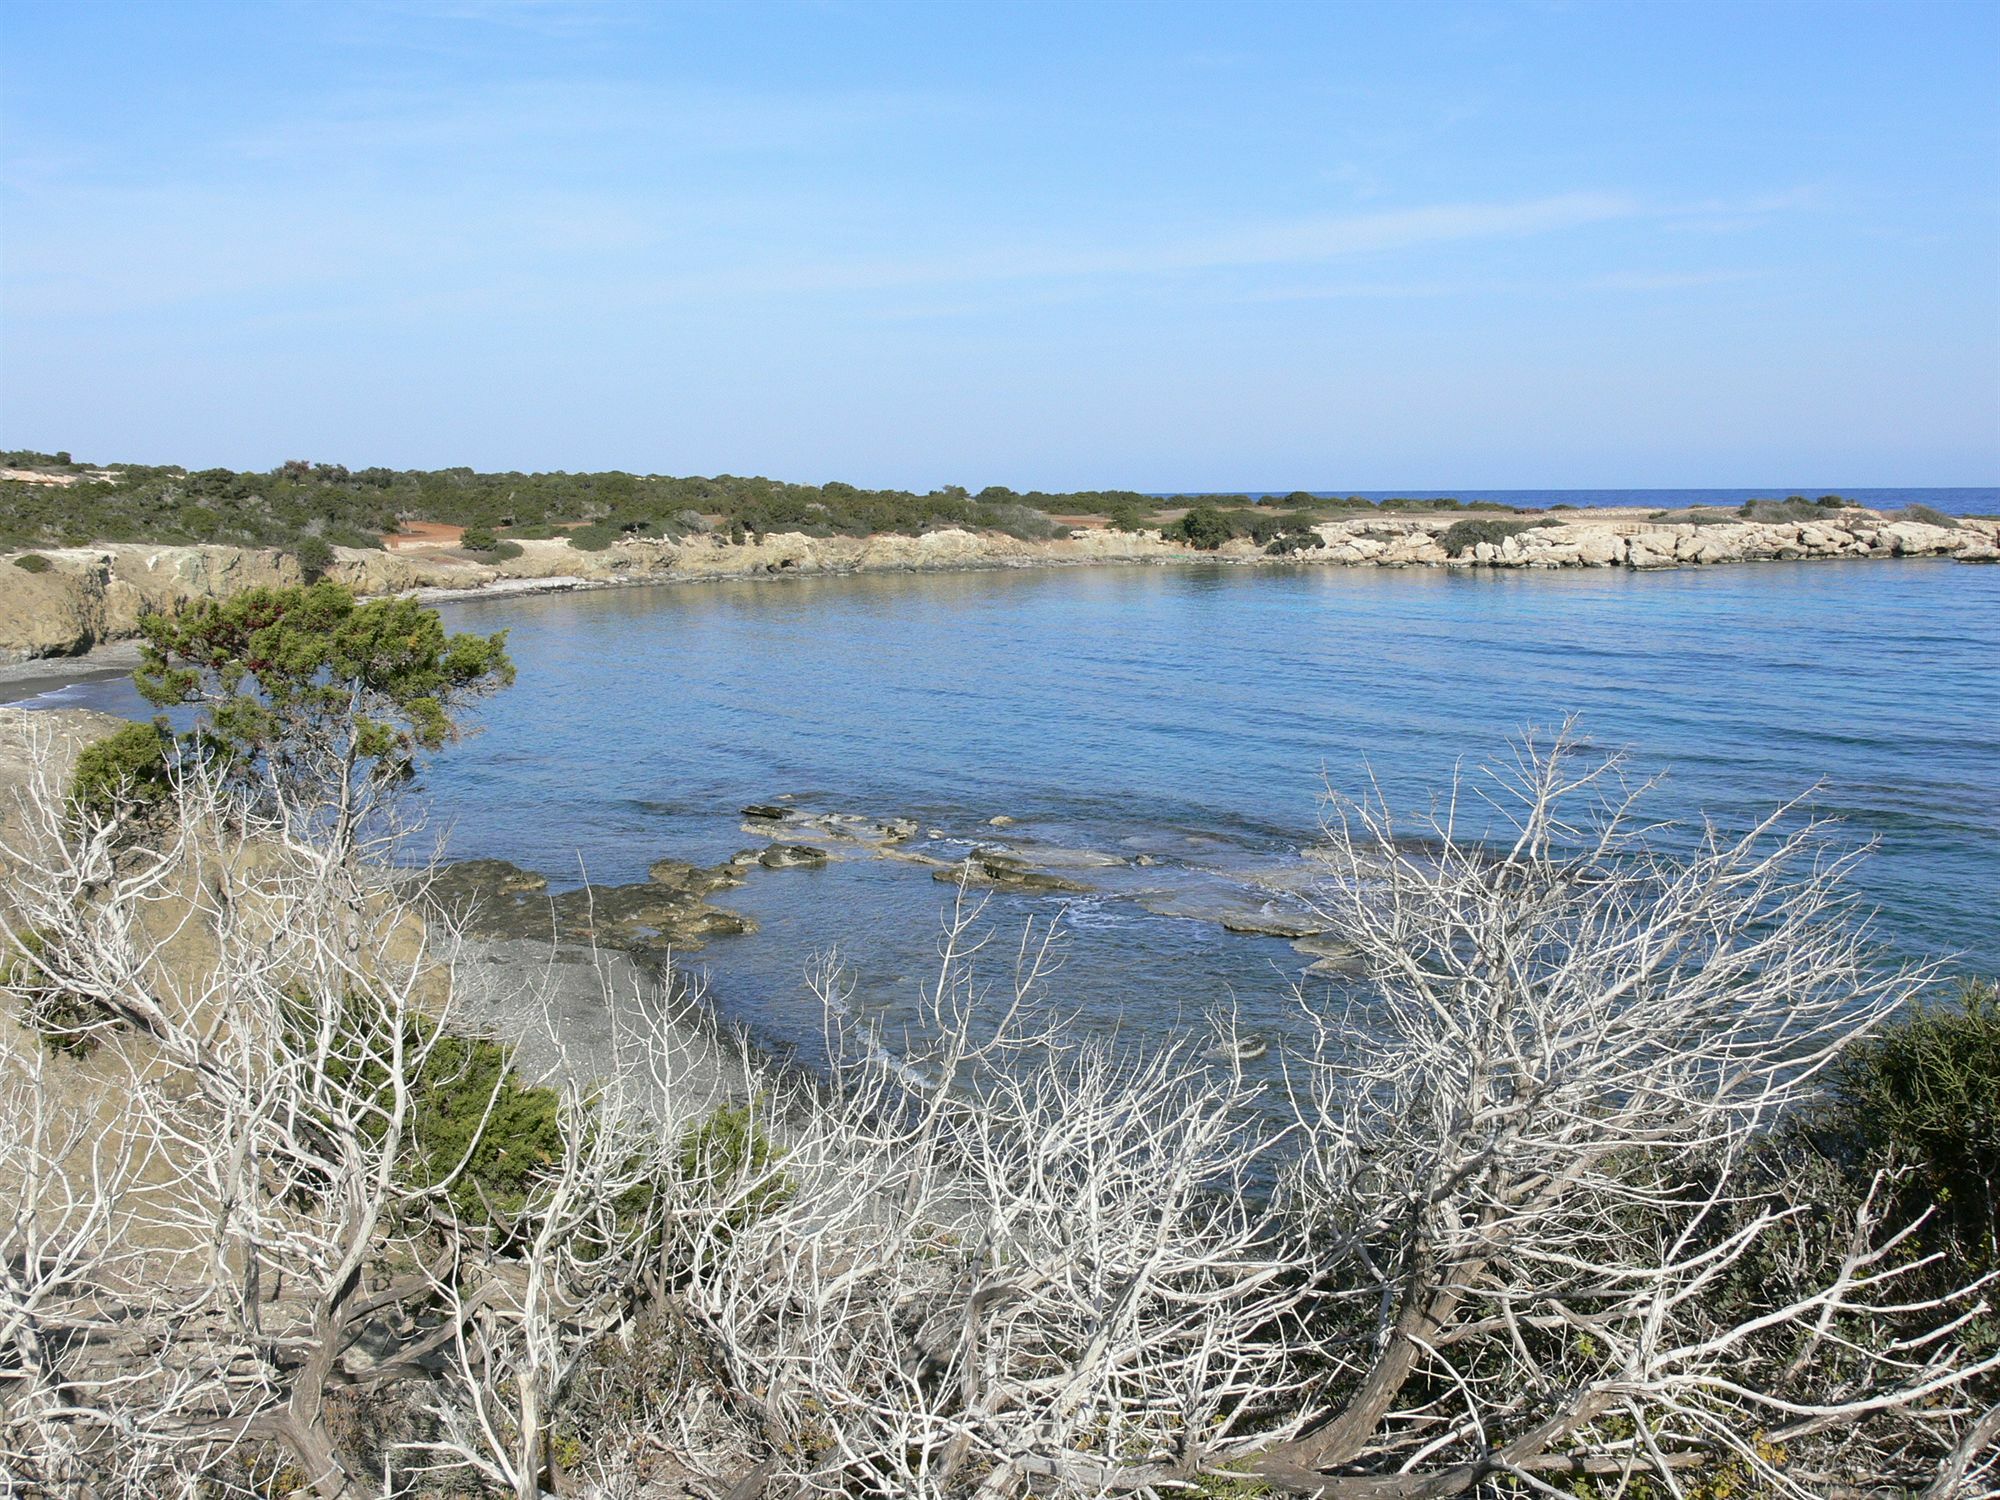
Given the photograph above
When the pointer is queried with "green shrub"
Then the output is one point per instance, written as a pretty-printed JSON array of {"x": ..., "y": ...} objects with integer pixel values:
[
  {"x": 1263, "y": 527},
  {"x": 1293, "y": 540},
  {"x": 1126, "y": 518},
  {"x": 32, "y": 562},
  {"x": 478, "y": 539},
  {"x": 731, "y": 1151},
  {"x": 1462, "y": 536},
  {"x": 522, "y": 1134},
  {"x": 593, "y": 538},
  {"x": 315, "y": 556},
  {"x": 1017, "y": 521},
  {"x": 502, "y": 550},
  {"x": 1924, "y": 1094},
  {"x": 1926, "y": 515},
  {"x": 343, "y": 535},
  {"x": 65, "y": 1022},
  {"x": 1204, "y": 528},
  {"x": 124, "y": 772},
  {"x": 1798, "y": 508}
]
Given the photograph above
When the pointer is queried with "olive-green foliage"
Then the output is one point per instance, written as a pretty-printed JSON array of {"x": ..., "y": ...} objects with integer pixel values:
[
  {"x": 32, "y": 562},
  {"x": 469, "y": 1098},
  {"x": 1462, "y": 536},
  {"x": 126, "y": 771},
  {"x": 592, "y": 538},
  {"x": 475, "y": 1123},
  {"x": 1294, "y": 540},
  {"x": 1019, "y": 521},
  {"x": 731, "y": 1150},
  {"x": 1927, "y": 515},
  {"x": 354, "y": 508},
  {"x": 1223, "y": 1485},
  {"x": 65, "y": 1021},
  {"x": 315, "y": 555},
  {"x": 501, "y": 550},
  {"x": 1127, "y": 517},
  {"x": 478, "y": 539},
  {"x": 307, "y": 682},
  {"x": 1204, "y": 528},
  {"x": 1924, "y": 1094},
  {"x": 1795, "y": 508}
]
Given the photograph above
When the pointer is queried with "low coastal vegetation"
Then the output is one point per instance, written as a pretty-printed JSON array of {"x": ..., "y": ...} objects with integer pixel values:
[
  {"x": 1641, "y": 1174},
  {"x": 1462, "y": 536},
  {"x": 309, "y": 508},
  {"x": 302, "y": 504}
]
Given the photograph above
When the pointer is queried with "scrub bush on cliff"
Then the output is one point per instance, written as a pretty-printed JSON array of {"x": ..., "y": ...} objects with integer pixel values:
[
  {"x": 124, "y": 772},
  {"x": 313, "y": 690},
  {"x": 315, "y": 556},
  {"x": 1204, "y": 528},
  {"x": 1462, "y": 536}
]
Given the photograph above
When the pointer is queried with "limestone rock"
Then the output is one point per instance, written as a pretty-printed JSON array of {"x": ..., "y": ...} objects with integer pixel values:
[{"x": 994, "y": 867}]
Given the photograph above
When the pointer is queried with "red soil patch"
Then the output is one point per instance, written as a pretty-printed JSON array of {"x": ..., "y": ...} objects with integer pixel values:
[{"x": 418, "y": 536}]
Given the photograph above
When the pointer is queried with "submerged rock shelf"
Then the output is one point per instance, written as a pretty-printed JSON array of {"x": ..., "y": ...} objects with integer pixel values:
[{"x": 1248, "y": 893}]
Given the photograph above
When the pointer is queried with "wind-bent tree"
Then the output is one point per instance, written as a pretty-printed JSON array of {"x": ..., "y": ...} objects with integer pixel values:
[{"x": 308, "y": 687}]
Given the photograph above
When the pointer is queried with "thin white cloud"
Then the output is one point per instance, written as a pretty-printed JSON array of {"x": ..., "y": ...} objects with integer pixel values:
[{"x": 1304, "y": 241}]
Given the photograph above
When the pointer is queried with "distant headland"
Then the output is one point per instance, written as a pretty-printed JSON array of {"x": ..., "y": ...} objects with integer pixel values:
[{"x": 88, "y": 549}]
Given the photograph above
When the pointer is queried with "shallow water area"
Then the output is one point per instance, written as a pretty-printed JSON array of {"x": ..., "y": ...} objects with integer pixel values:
[{"x": 1161, "y": 737}]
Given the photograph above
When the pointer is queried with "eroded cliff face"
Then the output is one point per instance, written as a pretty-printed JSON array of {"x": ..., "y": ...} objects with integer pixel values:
[{"x": 91, "y": 595}]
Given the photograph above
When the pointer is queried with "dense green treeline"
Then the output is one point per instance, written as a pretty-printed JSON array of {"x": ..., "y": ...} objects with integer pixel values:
[{"x": 354, "y": 507}]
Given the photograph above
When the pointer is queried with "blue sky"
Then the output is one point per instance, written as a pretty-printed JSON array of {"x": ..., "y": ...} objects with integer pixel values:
[{"x": 1160, "y": 246}]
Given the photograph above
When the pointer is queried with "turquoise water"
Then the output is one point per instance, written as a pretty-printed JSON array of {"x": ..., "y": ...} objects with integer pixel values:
[{"x": 1194, "y": 715}]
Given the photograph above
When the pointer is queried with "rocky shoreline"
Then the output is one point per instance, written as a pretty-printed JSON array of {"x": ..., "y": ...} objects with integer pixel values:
[{"x": 88, "y": 596}]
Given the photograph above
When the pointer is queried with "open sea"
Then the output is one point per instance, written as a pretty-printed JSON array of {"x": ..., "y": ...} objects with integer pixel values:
[{"x": 1174, "y": 729}]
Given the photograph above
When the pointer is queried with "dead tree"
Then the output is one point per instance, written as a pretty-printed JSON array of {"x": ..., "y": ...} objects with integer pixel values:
[
  {"x": 994, "y": 1257},
  {"x": 1531, "y": 1159}
]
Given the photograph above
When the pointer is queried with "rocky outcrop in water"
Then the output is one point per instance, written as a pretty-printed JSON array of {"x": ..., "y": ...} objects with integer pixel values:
[
  {"x": 1000, "y": 867},
  {"x": 94, "y": 594},
  {"x": 491, "y": 898},
  {"x": 798, "y": 834}
]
